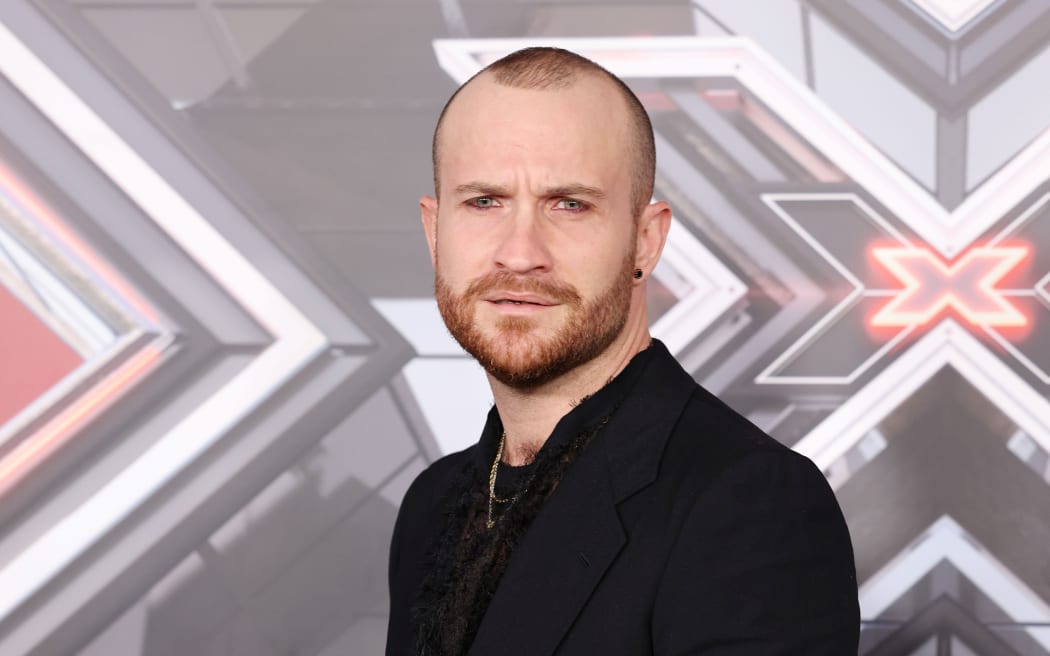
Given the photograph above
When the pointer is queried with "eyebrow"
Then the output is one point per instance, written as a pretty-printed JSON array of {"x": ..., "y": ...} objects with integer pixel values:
[
  {"x": 482, "y": 189},
  {"x": 575, "y": 189},
  {"x": 488, "y": 189}
]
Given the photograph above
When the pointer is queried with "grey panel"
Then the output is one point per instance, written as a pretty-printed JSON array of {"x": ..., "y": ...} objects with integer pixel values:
[{"x": 307, "y": 145}]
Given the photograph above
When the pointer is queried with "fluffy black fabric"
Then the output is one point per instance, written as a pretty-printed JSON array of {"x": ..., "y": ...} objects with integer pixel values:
[{"x": 469, "y": 558}]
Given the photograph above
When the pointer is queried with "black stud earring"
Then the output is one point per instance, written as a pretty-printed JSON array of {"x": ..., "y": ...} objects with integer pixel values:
[{"x": 638, "y": 273}]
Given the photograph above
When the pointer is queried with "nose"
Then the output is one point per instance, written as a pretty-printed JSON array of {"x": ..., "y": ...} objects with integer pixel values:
[{"x": 523, "y": 246}]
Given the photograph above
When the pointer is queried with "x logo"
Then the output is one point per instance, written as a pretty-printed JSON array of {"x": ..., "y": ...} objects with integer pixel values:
[{"x": 966, "y": 285}]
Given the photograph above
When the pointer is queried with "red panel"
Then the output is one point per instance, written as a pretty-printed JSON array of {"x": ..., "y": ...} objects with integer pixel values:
[{"x": 32, "y": 357}]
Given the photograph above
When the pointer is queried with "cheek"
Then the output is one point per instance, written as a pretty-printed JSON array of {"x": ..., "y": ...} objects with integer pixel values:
[
  {"x": 597, "y": 255},
  {"x": 458, "y": 261},
  {"x": 593, "y": 269}
]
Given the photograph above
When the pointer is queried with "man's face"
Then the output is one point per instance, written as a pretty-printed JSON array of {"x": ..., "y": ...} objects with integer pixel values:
[{"x": 533, "y": 238}]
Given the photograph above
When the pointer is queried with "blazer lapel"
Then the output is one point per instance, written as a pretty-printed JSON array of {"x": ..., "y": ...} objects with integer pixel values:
[
  {"x": 578, "y": 534},
  {"x": 555, "y": 568}
]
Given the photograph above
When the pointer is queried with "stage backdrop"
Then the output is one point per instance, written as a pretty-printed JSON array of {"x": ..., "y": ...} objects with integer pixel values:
[{"x": 221, "y": 364}]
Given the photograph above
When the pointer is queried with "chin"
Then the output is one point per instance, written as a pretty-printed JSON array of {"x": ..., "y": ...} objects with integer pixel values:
[
  {"x": 521, "y": 356},
  {"x": 526, "y": 359},
  {"x": 529, "y": 351}
]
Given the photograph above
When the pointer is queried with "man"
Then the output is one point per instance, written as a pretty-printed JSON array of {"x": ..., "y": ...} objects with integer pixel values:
[{"x": 611, "y": 506}]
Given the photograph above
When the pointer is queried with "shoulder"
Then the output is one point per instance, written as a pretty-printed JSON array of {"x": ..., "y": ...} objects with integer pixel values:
[
  {"x": 419, "y": 519},
  {"x": 717, "y": 444},
  {"x": 737, "y": 469},
  {"x": 421, "y": 516},
  {"x": 763, "y": 534}
]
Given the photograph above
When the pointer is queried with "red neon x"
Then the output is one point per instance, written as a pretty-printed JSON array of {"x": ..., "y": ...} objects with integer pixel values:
[{"x": 967, "y": 285}]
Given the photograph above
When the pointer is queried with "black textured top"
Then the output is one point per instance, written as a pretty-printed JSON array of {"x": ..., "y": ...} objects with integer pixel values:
[{"x": 468, "y": 559}]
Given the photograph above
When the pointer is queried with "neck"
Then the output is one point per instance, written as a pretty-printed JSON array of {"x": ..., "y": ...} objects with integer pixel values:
[{"x": 529, "y": 416}]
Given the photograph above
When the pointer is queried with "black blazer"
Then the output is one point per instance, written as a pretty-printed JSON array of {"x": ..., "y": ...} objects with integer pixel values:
[{"x": 680, "y": 529}]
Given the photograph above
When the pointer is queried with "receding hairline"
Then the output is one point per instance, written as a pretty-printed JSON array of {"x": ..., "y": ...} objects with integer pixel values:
[{"x": 543, "y": 68}]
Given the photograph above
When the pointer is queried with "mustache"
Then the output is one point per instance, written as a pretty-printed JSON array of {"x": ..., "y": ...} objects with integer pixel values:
[{"x": 511, "y": 282}]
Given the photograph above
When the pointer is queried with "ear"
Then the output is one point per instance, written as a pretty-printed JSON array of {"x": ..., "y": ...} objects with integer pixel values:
[
  {"x": 428, "y": 207},
  {"x": 653, "y": 226}
]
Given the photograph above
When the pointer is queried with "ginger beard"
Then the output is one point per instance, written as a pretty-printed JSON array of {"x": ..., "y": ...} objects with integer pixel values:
[{"x": 511, "y": 350}]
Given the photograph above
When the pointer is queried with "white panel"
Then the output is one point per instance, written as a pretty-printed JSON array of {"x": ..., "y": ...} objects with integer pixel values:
[
  {"x": 454, "y": 396},
  {"x": 1007, "y": 119},
  {"x": 777, "y": 28},
  {"x": 893, "y": 118},
  {"x": 953, "y": 14},
  {"x": 418, "y": 321}
]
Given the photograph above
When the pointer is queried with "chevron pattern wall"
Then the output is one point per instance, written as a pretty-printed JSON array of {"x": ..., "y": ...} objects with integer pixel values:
[{"x": 221, "y": 364}]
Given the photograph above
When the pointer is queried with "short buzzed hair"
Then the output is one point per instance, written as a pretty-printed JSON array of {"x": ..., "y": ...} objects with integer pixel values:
[{"x": 555, "y": 68}]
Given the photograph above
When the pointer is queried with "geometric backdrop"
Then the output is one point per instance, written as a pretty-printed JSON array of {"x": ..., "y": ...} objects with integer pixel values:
[{"x": 221, "y": 363}]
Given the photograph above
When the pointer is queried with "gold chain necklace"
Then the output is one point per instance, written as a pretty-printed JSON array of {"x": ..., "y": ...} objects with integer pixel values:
[{"x": 493, "y": 499}]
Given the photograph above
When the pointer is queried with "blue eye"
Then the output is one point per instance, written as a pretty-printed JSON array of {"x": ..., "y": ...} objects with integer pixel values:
[
  {"x": 571, "y": 204},
  {"x": 483, "y": 202}
]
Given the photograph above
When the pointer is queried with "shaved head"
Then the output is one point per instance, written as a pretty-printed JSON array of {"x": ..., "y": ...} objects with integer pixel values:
[{"x": 554, "y": 69}]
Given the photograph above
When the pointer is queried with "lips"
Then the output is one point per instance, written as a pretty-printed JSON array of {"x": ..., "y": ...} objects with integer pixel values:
[
  {"x": 508, "y": 298},
  {"x": 515, "y": 292}
]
